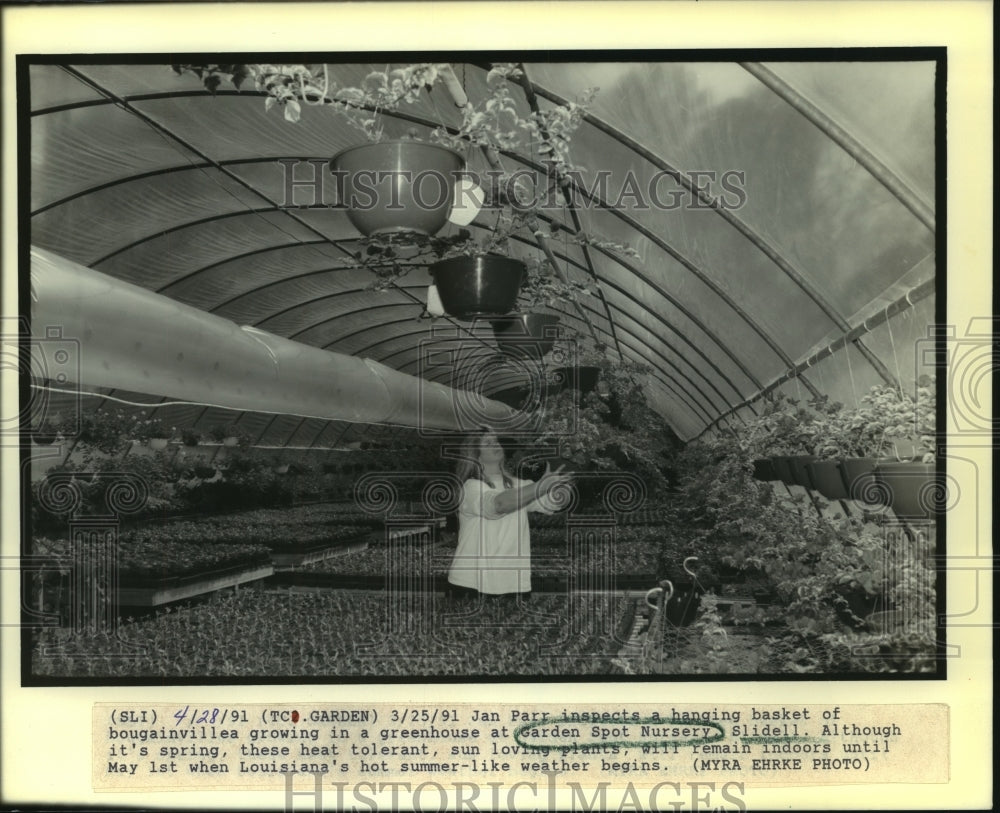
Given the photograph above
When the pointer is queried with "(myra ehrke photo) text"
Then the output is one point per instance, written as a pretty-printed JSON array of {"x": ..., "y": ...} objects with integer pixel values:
[{"x": 608, "y": 368}]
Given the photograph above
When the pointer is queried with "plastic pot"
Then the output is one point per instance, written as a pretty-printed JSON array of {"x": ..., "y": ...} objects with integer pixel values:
[
  {"x": 582, "y": 379},
  {"x": 397, "y": 187},
  {"x": 514, "y": 397},
  {"x": 913, "y": 490},
  {"x": 826, "y": 479},
  {"x": 783, "y": 469},
  {"x": 764, "y": 470},
  {"x": 797, "y": 466},
  {"x": 858, "y": 474},
  {"x": 528, "y": 335},
  {"x": 479, "y": 285}
]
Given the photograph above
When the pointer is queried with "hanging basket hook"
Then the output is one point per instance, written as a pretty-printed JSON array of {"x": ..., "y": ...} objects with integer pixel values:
[{"x": 666, "y": 587}]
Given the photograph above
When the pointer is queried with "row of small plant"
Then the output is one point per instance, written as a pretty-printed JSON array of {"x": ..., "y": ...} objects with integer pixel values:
[
  {"x": 258, "y": 632},
  {"x": 659, "y": 516},
  {"x": 637, "y": 551},
  {"x": 306, "y": 525},
  {"x": 112, "y": 431},
  {"x": 182, "y": 484},
  {"x": 237, "y": 530},
  {"x": 170, "y": 487},
  {"x": 152, "y": 558},
  {"x": 171, "y": 550}
]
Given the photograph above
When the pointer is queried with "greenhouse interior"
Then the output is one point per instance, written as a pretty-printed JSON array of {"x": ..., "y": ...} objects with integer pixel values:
[{"x": 321, "y": 354}]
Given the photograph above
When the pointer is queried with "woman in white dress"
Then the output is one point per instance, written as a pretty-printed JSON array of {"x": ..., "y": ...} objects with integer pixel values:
[{"x": 494, "y": 546}]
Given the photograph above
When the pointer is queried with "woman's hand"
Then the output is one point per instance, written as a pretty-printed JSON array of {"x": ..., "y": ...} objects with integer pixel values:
[
  {"x": 553, "y": 479},
  {"x": 516, "y": 499}
]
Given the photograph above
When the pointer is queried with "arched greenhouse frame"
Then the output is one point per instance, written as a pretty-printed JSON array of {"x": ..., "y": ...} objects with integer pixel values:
[{"x": 707, "y": 283}]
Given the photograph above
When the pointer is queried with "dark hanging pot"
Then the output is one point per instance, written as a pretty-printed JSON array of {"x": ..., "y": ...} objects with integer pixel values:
[
  {"x": 858, "y": 474},
  {"x": 514, "y": 397},
  {"x": 826, "y": 479},
  {"x": 527, "y": 335},
  {"x": 582, "y": 379},
  {"x": 783, "y": 469},
  {"x": 397, "y": 187},
  {"x": 480, "y": 285},
  {"x": 913, "y": 490},
  {"x": 797, "y": 465}
]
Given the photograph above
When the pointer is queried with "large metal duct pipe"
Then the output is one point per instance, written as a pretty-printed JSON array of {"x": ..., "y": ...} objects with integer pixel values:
[{"x": 133, "y": 339}]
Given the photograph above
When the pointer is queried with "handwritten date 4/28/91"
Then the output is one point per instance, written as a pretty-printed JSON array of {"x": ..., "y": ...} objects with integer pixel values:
[
  {"x": 209, "y": 716},
  {"x": 424, "y": 715}
]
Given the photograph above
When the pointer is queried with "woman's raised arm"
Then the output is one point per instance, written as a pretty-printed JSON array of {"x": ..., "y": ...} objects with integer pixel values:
[{"x": 515, "y": 499}]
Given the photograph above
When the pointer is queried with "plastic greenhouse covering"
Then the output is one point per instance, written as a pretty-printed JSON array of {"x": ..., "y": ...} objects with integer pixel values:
[
  {"x": 290, "y": 491},
  {"x": 825, "y": 232}
]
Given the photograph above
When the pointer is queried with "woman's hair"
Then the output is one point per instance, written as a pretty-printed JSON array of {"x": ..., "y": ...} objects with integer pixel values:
[{"x": 469, "y": 466}]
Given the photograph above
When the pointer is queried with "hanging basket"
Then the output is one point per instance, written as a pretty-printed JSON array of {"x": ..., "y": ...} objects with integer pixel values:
[
  {"x": 526, "y": 335},
  {"x": 479, "y": 285},
  {"x": 783, "y": 469},
  {"x": 858, "y": 474},
  {"x": 158, "y": 444},
  {"x": 514, "y": 397},
  {"x": 582, "y": 379},
  {"x": 397, "y": 187},
  {"x": 913, "y": 490},
  {"x": 827, "y": 480},
  {"x": 797, "y": 467}
]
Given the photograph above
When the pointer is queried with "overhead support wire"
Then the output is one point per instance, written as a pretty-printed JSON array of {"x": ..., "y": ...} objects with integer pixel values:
[
  {"x": 493, "y": 159},
  {"x": 908, "y": 300},
  {"x": 848, "y": 142},
  {"x": 561, "y": 179}
]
